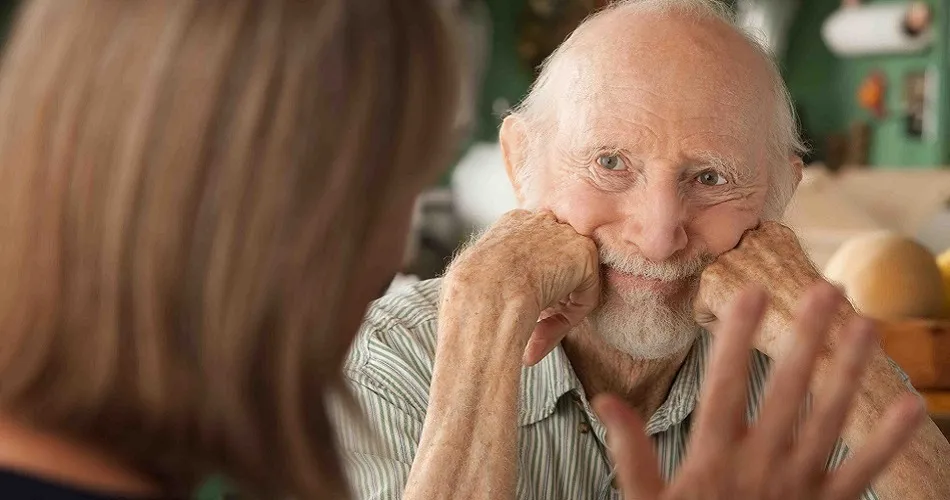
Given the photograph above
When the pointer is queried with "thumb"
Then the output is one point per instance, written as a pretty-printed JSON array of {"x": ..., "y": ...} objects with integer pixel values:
[
  {"x": 702, "y": 313},
  {"x": 550, "y": 330},
  {"x": 547, "y": 334},
  {"x": 707, "y": 320}
]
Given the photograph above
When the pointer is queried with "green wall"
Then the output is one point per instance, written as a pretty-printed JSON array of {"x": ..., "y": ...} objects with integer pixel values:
[
  {"x": 506, "y": 77},
  {"x": 824, "y": 86},
  {"x": 825, "y": 89}
]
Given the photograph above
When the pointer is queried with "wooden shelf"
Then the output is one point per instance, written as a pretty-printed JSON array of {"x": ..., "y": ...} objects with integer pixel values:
[
  {"x": 938, "y": 405},
  {"x": 922, "y": 349},
  {"x": 938, "y": 402}
]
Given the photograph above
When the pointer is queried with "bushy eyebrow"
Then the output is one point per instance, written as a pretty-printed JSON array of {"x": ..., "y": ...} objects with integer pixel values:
[
  {"x": 737, "y": 171},
  {"x": 740, "y": 173}
]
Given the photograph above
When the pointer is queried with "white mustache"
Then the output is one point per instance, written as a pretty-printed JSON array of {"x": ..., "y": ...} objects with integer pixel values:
[{"x": 672, "y": 270}]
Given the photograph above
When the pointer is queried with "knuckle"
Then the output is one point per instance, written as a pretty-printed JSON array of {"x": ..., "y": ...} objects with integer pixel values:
[
  {"x": 513, "y": 217},
  {"x": 544, "y": 217},
  {"x": 789, "y": 235},
  {"x": 714, "y": 272},
  {"x": 776, "y": 228},
  {"x": 590, "y": 246},
  {"x": 782, "y": 228}
]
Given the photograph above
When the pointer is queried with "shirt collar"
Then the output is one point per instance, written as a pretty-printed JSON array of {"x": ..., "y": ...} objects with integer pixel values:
[
  {"x": 543, "y": 385},
  {"x": 684, "y": 392}
]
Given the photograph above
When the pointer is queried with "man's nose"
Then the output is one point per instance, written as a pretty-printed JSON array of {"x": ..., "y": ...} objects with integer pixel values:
[{"x": 656, "y": 223}]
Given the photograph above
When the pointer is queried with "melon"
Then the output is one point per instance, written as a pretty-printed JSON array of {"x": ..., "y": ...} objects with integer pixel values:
[
  {"x": 888, "y": 276},
  {"x": 943, "y": 262}
]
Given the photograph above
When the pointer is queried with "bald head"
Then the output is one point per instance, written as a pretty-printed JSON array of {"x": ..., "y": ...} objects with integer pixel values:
[{"x": 684, "y": 53}]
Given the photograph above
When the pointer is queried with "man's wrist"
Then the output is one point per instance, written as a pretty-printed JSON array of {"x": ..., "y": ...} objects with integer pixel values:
[
  {"x": 779, "y": 323},
  {"x": 494, "y": 305},
  {"x": 478, "y": 356},
  {"x": 483, "y": 329},
  {"x": 473, "y": 287}
]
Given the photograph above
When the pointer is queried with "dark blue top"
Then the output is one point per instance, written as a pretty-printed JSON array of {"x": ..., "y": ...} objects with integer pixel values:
[{"x": 21, "y": 486}]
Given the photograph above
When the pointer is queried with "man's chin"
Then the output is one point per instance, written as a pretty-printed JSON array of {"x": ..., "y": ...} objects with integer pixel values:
[{"x": 646, "y": 325}]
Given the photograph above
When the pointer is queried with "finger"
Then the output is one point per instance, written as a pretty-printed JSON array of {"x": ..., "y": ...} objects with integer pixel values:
[
  {"x": 722, "y": 401},
  {"x": 558, "y": 321},
  {"x": 789, "y": 383},
  {"x": 547, "y": 313},
  {"x": 631, "y": 450},
  {"x": 834, "y": 400},
  {"x": 547, "y": 334},
  {"x": 582, "y": 301},
  {"x": 900, "y": 422}
]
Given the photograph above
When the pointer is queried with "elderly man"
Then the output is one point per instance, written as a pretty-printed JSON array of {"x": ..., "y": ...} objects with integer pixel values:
[{"x": 650, "y": 156}]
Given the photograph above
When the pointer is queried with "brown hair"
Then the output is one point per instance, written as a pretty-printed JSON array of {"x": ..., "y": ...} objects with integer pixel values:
[{"x": 186, "y": 189}]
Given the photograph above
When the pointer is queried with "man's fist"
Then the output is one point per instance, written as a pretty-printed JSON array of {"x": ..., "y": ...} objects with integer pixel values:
[
  {"x": 531, "y": 261},
  {"x": 771, "y": 258}
]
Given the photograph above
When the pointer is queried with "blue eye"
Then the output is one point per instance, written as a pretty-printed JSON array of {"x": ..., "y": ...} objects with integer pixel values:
[
  {"x": 611, "y": 162},
  {"x": 711, "y": 178}
]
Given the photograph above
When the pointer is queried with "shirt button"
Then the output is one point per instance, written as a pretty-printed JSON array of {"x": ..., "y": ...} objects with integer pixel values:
[{"x": 583, "y": 427}]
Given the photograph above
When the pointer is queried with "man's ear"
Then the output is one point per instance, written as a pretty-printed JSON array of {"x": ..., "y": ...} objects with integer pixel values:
[
  {"x": 797, "y": 164},
  {"x": 512, "y": 137}
]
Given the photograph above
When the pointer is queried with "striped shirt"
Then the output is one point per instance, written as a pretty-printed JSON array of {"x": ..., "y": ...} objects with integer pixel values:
[{"x": 562, "y": 446}]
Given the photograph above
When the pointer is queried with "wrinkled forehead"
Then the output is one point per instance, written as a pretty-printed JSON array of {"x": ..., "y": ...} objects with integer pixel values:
[
  {"x": 699, "y": 84},
  {"x": 627, "y": 108}
]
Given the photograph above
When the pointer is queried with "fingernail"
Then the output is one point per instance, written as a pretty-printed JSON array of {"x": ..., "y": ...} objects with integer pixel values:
[{"x": 528, "y": 359}]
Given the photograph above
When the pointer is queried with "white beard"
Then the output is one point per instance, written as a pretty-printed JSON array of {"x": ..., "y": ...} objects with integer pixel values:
[{"x": 644, "y": 323}]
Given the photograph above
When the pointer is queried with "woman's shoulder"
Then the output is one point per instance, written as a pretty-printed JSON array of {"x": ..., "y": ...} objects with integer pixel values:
[{"x": 16, "y": 485}]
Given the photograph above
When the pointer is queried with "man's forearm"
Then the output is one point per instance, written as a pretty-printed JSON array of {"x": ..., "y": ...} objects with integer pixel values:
[
  {"x": 922, "y": 469},
  {"x": 468, "y": 447}
]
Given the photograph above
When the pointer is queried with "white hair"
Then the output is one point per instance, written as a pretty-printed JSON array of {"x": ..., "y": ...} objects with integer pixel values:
[{"x": 783, "y": 136}]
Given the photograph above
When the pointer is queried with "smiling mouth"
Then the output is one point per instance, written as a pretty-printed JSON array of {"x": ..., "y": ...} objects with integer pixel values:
[{"x": 616, "y": 278}]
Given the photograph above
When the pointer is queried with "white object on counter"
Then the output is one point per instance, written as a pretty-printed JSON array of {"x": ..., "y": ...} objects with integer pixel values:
[
  {"x": 770, "y": 20},
  {"x": 481, "y": 187},
  {"x": 872, "y": 29},
  {"x": 400, "y": 282}
]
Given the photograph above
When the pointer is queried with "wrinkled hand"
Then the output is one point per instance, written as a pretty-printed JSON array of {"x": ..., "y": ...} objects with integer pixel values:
[
  {"x": 728, "y": 459},
  {"x": 532, "y": 261},
  {"x": 769, "y": 257}
]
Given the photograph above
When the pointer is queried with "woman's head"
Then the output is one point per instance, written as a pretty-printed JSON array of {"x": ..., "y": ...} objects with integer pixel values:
[{"x": 197, "y": 198}]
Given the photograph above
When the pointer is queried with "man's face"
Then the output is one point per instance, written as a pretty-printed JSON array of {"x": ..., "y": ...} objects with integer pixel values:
[{"x": 660, "y": 158}]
